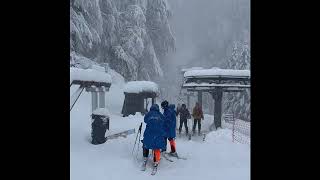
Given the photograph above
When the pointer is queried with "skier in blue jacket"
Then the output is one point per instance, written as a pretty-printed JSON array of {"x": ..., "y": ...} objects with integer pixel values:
[
  {"x": 153, "y": 137},
  {"x": 169, "y": 114}
]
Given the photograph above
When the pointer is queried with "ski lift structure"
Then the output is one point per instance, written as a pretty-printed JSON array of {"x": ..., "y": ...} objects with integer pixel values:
[
  {"x": 97, "y": 82},
  {"x": 215, "y": 81},
  {"x": 183, "y": 91},
  {"x": 137, "y": 97}
]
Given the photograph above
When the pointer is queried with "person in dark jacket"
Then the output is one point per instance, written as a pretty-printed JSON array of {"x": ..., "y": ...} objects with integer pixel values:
[
  {"x": 153, "y": 137},
  {"x": 184, "y": 116},
  {"x": 169, "y": 114}
]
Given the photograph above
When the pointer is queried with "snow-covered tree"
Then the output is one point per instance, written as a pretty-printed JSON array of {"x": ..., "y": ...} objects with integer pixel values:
[
  {"x": 238, "y": 103},
  {"x": 240, "y": 57},
  {"x": 128, "y": 34}
]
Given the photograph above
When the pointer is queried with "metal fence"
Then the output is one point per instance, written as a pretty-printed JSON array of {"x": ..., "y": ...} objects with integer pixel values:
[{"x": 240, "y": 128}]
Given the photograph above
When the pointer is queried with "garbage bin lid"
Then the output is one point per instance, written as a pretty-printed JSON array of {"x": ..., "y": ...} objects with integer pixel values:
[{"x": 101, "y": 112}]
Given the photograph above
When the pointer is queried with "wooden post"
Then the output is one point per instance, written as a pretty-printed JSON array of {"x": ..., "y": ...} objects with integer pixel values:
[
  {"x": 188, "y": 101},
  {"x": 213, "y": 95},
  {"x": 200, "y": 98},
  {"x": 218, "y": 107},
  {"x": 211, "y": 105},
  {"x": 153, "y": 101},
  {"x": 146, "y": 104}
]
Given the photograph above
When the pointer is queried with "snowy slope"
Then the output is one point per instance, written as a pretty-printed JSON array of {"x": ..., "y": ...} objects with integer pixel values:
[{"x": 217, "y": 158}]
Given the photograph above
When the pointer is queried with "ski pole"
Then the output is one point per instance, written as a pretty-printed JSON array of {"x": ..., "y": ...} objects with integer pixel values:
[
  {"x": 139, "y": 131},
  {"x": 139, "y": 140}
]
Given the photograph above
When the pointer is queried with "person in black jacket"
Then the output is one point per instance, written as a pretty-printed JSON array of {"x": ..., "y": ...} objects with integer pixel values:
[{"x": 184, "y": 116}]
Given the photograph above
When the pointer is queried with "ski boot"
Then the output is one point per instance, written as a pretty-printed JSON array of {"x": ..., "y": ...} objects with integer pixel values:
[
  {"x": 144, "y": 164},
  {"x": 155, "y": 168}
]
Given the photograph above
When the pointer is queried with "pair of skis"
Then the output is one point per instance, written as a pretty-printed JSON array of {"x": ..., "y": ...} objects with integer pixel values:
[
  {"x": 120, "y": 134},
  {"x": 166, "y": 157},
  {"x": 174, "y": 155},
  {"x": 204, "y": 134},
  {"x": 144, "y": 165},
  {"x": 154, "y": 169}
]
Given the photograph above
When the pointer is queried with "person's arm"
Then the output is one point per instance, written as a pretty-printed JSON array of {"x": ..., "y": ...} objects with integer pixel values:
[{"x": 188, "y": 114}]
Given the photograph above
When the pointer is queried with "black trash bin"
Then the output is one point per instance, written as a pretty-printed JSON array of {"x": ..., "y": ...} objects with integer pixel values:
[{"x": 99, "y": 126}]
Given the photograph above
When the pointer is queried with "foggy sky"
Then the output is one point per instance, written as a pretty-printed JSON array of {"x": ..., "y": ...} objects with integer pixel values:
[{"x": 204, "y": 31}]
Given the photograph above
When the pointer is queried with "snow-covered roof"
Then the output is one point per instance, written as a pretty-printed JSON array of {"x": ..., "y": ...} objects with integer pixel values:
[
  {"x": 192, "y": 68},
  {"x": 102, "y": 112},
  {"x": 141, "y": 86},
  {"x": 89, "y": 75},
  {"x": 217, "y": 72},
  {"x": 192, "y": 84}
]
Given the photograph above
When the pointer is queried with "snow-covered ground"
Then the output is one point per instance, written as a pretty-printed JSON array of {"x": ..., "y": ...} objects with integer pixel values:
[{"x": 216, "y": 158}]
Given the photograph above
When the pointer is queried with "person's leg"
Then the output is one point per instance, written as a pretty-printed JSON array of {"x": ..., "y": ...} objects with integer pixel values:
[
  {"x": 165, "y": 146},
  {"x": 186, "y": 125},
  {"x": 145, "y": 158},
  {"x": 156, "y": 156},
  {"x": 172, "y": 145},
  {"x": 180, "y": 126},
  {"x": 194, "y": 126},
  {"x": 145, "y": 154},
  {"x": 199, "y": 126}
]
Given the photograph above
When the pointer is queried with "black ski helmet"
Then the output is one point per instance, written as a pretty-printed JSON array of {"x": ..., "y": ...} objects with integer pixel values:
[{"x": 164, "y": 104}]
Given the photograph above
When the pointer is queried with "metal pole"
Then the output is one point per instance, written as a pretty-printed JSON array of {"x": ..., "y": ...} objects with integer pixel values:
[
  {"x": 233, "y": 126},
  {"x": 146, "y": 104},
  {"x": 75, "y": 96},
  {"x": 102, "y": 99}
]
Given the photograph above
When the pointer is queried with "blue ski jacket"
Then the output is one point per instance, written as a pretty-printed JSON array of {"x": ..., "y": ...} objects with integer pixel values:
[
  {"x": 170, "y": 121},
  {"x": 153, "y": 136}
]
